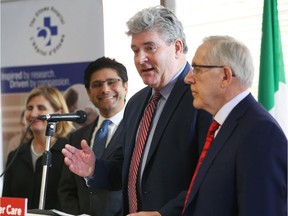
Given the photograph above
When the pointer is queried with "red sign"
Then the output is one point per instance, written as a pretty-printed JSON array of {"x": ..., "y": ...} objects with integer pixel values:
[{"x": 13, "y": 206}]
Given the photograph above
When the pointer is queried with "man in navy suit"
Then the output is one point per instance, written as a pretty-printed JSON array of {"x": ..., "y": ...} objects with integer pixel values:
[
  {"x": 171, "y": 150},
  {"x": 106, "y": 82},
  {"x": 244, "y": 172}
]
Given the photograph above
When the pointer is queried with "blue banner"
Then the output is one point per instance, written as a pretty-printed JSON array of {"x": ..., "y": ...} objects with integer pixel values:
[{"x": 24, "y": 78}]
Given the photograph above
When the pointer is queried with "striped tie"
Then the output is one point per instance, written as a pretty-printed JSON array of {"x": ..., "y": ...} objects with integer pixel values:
[
  {"x": 137, "y": 152},
  {"x": 210, "y": 136}
]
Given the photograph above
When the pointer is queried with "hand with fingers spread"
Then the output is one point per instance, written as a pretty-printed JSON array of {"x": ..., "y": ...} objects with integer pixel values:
[{"x": 80, "y": 161}]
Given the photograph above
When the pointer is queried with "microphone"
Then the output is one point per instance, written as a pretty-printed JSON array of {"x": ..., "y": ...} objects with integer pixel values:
[{"x": 80, "y": 117}]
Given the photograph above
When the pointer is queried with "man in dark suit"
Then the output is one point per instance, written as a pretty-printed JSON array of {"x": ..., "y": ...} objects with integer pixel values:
[
  {"x": 245, "y": 169},
  {"x": 169, "y": 157},
  {"x": 106, "y": 82}
]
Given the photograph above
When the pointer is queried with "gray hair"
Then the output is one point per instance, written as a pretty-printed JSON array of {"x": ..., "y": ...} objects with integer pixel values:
[
  {"x": 160, "y": 19},
  {"x": 227, "y": 51}
]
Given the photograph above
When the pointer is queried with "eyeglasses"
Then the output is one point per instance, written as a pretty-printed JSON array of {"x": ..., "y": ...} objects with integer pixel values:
[
  {"x": 112, "y": 82},
  {"x": 196, "y": 71}
]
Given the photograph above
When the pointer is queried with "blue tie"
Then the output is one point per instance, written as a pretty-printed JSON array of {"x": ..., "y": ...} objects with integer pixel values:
[{"x": 101, "y": 139}]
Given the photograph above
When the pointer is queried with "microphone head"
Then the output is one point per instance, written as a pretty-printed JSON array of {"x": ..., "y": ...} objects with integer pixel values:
[{"x": 82, "y": 116}]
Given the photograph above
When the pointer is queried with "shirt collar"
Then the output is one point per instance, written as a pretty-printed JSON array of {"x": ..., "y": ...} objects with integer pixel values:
[
  {"x": 225, "y": 110},
  {"x": 116, "y": 119}
]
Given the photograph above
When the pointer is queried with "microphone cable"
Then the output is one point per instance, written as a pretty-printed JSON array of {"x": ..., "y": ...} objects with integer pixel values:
[{"x": 17, "y": 150}]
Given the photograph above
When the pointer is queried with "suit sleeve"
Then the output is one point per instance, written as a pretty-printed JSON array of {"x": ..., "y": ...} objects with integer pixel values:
[
  {"x": 108, "y": 172},
  {"x": 67, "y": 189},
  {"x": 67, "y": 192},
  {"x": 175, "y": 206},
  {"x": 262, "y": 172}
]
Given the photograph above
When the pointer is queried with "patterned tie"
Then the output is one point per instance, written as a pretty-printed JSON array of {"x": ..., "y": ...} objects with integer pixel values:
[
  {"x": 210, "y": 136},
  {"x": 138, "y": 149},
  {"x": 101, "y": 138}
]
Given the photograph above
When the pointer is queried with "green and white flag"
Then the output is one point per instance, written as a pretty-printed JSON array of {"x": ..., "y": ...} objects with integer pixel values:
[{"x": 273, "y": 88}]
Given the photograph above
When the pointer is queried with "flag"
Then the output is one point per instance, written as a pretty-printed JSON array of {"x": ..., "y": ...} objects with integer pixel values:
[{"x": 273, "y": 88}]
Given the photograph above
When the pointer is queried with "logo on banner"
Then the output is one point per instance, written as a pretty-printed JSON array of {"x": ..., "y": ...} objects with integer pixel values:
[{"x": 46, "y": 27}]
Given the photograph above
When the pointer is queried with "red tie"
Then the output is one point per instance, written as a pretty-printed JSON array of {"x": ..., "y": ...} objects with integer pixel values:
[
  {"x": 137, "y": 152},
  {"x": 210, "y": 136}
]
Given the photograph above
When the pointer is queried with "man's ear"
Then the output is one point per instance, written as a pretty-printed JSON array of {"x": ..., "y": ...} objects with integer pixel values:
[
  {"x": 178, "y": 48},
  {"x": 227, "y": 76}
]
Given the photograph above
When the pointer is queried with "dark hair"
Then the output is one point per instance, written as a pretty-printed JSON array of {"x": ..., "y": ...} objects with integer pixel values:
[
  {"x": 104, "y": 62},
  {"x": 71, "y": 98}
]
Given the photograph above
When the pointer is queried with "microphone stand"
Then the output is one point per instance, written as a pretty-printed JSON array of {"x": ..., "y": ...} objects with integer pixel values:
[{"x": 46, "y": 162}]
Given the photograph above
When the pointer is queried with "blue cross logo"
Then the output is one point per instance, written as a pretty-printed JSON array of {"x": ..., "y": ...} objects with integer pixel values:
[{"x": 47, "y": 31}]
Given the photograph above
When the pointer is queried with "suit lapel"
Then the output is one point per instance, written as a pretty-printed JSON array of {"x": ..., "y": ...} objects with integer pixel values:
[
  {"x": 113, "y": 142},
  {"x": 225, "y": 131},
  {"x": 111, "y": 146},
  {"x": 173, "y": 101},
  {"x": 88, "y": 132},
  {"x": 26, "y": 154}
]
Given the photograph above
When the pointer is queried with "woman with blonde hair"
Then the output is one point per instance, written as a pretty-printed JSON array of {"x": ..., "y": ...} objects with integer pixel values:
[{"x": 23, "y": 178}]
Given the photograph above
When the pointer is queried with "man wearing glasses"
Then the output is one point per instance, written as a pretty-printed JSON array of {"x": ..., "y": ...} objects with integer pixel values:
[
  {"x": 243, "y": 170},
  {"x": 106, "y": 82}
]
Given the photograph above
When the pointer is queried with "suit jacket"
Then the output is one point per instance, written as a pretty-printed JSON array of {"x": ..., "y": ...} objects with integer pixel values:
[
  {"x": 75, "y": 197},
  {"x": 173, "y": 153},
  {"x": 245, "y": 169},
  {"x": 22, "y": 181}
]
